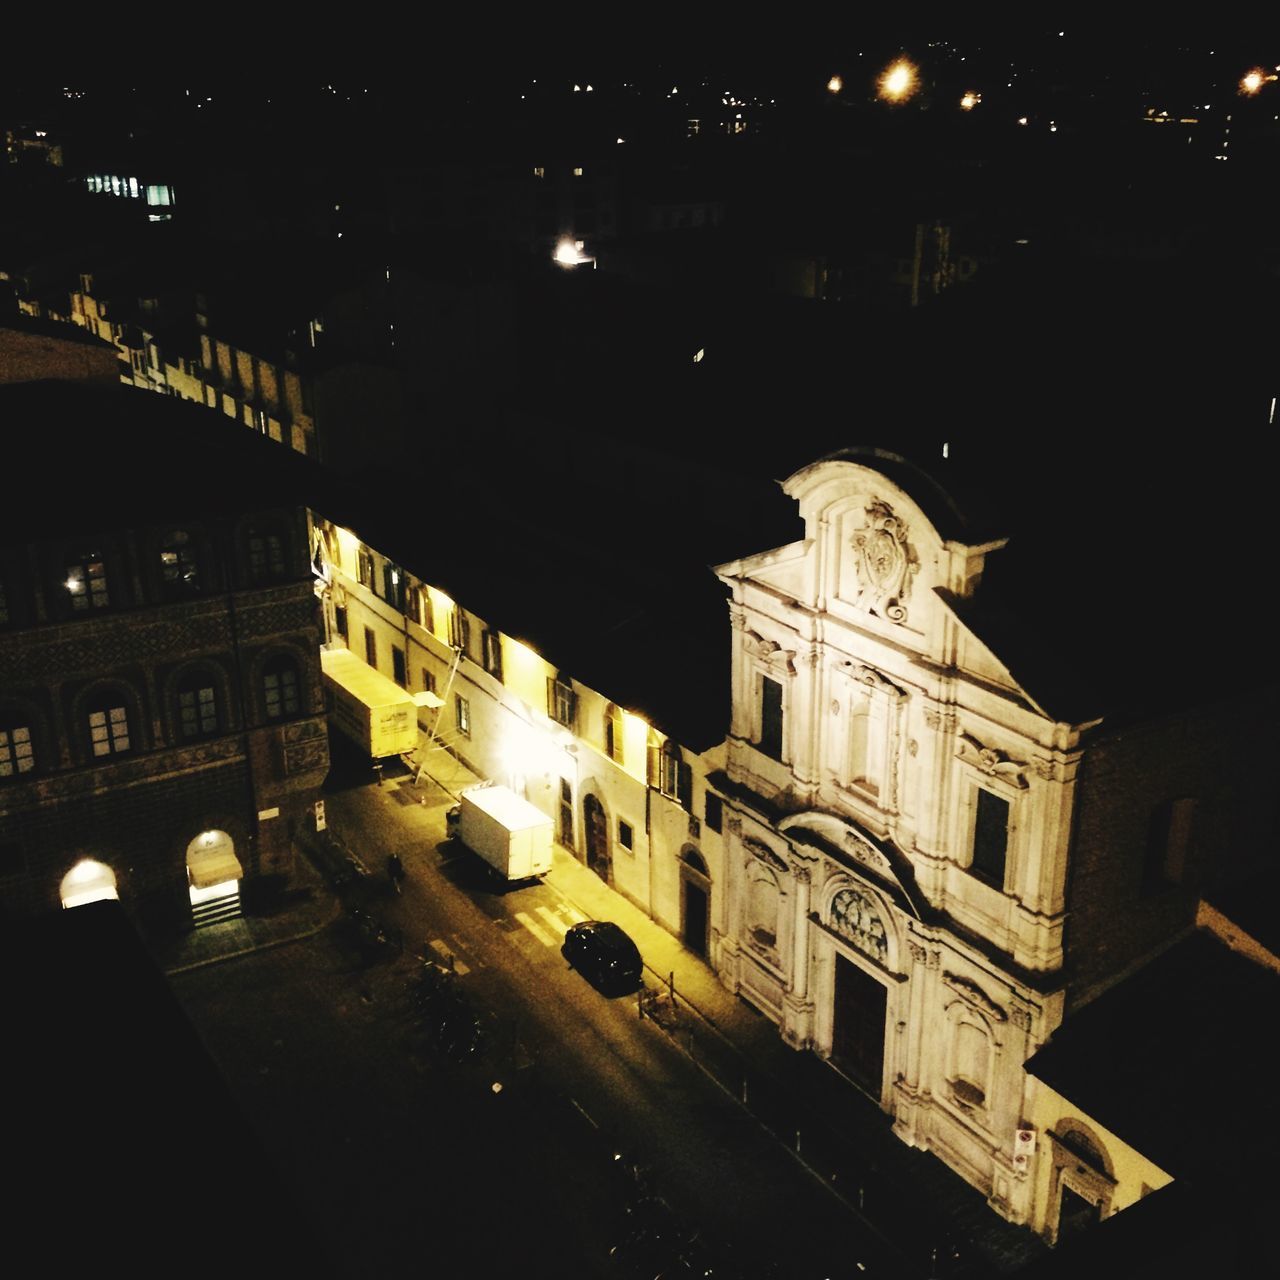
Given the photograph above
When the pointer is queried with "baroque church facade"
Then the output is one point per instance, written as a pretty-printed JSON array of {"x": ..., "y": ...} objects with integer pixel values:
[{"x": 899, "y": 819}]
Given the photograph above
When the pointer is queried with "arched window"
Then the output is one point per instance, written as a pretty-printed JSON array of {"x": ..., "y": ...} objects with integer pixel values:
[
  {"x": 668, "y": 771},
  {"x": 108, "y": 720},
  {"x": 17, "y": 751},
  {"x": 179, "y": 568},
  {"x": 280, "y": 688},
  {"x": 613, "y": 733},
  {"x": 198, "y": 710}
]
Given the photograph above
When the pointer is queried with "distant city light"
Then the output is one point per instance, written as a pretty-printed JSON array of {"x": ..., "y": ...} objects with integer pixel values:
[
  {"x": 1022, "y": 119},
  {"x": 970, "y": 100},
  {"x": 899, "y": 81},
  {"x": 1253, "y": 80},
  {"x": 835, "y": 84}
]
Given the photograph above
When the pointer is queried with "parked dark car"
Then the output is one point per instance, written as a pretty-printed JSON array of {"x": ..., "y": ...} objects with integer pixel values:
[{"x": 603, "y": 954}]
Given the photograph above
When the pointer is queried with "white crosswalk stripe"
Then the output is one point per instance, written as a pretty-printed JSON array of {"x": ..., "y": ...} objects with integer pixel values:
[
  {"x": 572, "y": 914},
  {"x": 441, "y": 948},
  {"x": 553, "y": 920},
  {"x": 536, "y": 929}
]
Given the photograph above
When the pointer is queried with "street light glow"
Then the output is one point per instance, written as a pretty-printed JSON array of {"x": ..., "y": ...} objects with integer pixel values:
[
  {"x": 899, "y": 81},
  {"x": 1252, "y": 82},
  {"x": 835, "y": 84},
  {"x": 970, "y": 100}
]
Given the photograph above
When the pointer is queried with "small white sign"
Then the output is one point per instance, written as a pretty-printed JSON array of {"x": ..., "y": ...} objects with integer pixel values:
[
  {"x": 264, "y": 814},
  {"x": 319, "y": 815}
]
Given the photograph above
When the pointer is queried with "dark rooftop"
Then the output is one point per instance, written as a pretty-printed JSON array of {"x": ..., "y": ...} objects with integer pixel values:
[{"x": 1177, "y": 1040}]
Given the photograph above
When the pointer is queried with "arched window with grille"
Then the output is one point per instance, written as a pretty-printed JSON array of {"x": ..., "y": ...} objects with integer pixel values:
[
  {"x": 108, "y": 724},
  {"x": 17, "y": 745},
  {"x": 281, "y": 688},
  {"x": 199, "y": 715}
]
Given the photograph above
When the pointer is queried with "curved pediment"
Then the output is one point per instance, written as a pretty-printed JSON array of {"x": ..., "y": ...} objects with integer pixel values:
[{"x": 875, "y": 860}]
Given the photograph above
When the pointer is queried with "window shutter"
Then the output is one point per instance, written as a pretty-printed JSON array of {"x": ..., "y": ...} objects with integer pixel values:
[
  {"x": 551, "y": 697},
  {"x": 651, "y": 771},
  {"x": 685, "y": 784}
]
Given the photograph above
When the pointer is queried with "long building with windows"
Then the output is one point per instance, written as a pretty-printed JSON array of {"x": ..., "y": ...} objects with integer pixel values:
[
  {"x": 162, "y": 724},
  {"x": 928, "y": 838}
]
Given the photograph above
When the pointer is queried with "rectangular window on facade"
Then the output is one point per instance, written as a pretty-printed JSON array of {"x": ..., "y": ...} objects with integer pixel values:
[
  {"x": 1168, "y": 843},
  {"x": 462, "y": 714},
  {"x": 626, "y": 837},
  {"x": 428, "y": 610},
  {"x": 109, "y": 731},
  {"x": 491, "y": 642},
  {"x": 266, "y": 556},
  {"x": 86, "y": 583},
  {"x": 990, "y": 837},
  {"x": 198, "y": 713},
  {"x": 428, "y": 681},
  {"x": 413, "y": 603},
  {"x": 393, "y": 586},
  {"x": 562, "y": 702},
  {"x": 460, "y": 631},
  {"x": 364, "y": 568},
  {"x": 370, "y": 647},
  {"x": 770, "y": 718},
  {"x": 16, "y": 755},
  {"x": 280, "y": 693},
  {"x": 399, "y": 669},
  {"x": 713, "y": 813},
  {"x": 340, "y": 619}
]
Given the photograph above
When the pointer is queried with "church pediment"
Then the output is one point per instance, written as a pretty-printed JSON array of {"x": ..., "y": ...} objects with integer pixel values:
[{"x": 877, "y": 860}]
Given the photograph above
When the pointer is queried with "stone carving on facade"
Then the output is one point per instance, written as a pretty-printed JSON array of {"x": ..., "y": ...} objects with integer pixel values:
[
  {"x": 970, "y": 991},
  {"x": 1020, "y": 1017},
  {"x": 990, "y": 760},
  {"x": 885, "y": 563},
  {"x": 853, "y": 916},
  {"x": 835, "y": 707},
  {"x": 935, "y": 959},
  {"x": 734, "y": 823},
  {"x": 737, "y": 615},
  {"x": 802, "y": 872},
  {"x": 769, "y": 652},
  {"x": 758, "y": 849},
  {"x": 918, "y": 953},
  {"x": 866, "y": 853}
]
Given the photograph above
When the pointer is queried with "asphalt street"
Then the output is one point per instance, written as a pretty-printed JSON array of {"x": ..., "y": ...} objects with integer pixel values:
[{"x": 507, "y": 1160}]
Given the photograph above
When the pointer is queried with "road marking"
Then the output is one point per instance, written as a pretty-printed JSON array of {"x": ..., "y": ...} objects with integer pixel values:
[
  {"x": 535, "y": 928},
  {"x": 575, "y": 916},
  {"x": 553, "y": 920},
  {"x": 441, "y": 949}
]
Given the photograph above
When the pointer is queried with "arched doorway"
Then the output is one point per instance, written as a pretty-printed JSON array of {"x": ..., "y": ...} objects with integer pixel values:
[
  {"x": 695, "y": 901},
  {"x": 213, "y": 878},
  {"x": 87, "y": 881},
  {"x": 596, "y": 825}
]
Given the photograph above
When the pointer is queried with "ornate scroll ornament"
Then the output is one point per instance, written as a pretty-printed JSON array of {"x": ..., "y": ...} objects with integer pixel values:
[
  {"x": 770, "y": 653},
  {"x": 867, "y": 854},
  {"x": 758, "y": 849},
  {"x": 853, "y": 916},
  {"x": 885, "y": 563},
  {"x": 969, "y": 990},
  {"x": 990, "y": 760},
  {"x": 874, "y": 680}
]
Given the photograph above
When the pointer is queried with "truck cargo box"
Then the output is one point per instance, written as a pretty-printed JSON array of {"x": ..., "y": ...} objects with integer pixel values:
[
  {"x": 510, "y": 834},
  {"x": 373, "y": 711}
]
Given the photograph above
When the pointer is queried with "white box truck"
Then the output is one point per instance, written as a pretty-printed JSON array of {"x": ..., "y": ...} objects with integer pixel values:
[
  {"x": 373, "y": 711},
  {"x": 510, "y": 834}
]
